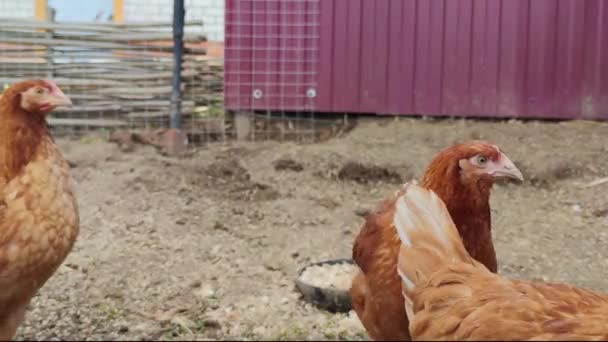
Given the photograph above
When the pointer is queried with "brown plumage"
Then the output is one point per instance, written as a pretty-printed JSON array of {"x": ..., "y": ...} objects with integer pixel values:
[
  {"x": 462, "y": 175},
  {"x": 451, "y": 296},
  {"x": 38, "y": 212}
]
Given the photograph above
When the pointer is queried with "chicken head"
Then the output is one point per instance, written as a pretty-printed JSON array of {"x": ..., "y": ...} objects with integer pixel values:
[
  {"x": 42, "y": 97},
  {"x": 489, "y": 162}
]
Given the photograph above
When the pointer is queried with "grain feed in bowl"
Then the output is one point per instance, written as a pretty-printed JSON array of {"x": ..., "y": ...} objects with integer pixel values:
[{"x": 336, "y": 276}]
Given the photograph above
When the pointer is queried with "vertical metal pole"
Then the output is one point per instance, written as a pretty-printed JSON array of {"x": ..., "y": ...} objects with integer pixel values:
[{"x": 178, "y": 52}]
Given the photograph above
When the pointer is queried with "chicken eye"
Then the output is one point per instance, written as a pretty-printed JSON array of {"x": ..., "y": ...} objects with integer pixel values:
[
  {"x": 39, "y": 91},
  {"x": 482, "y": 160}
]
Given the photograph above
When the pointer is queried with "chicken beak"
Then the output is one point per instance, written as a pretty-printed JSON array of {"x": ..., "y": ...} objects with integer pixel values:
[
  {"x": 59, "y": 99},
  {"x": 504, "y": 168}
]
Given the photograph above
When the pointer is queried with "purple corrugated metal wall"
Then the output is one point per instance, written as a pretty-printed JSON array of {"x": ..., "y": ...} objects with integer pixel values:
[{"x": 510, "y": 58}]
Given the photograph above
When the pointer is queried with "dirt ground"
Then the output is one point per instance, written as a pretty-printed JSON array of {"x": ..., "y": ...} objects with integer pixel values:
[{"x": 206, "y": 246}]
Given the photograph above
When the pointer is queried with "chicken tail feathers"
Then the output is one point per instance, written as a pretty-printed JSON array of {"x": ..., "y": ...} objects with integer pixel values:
[{"x": 429, "y": 238}]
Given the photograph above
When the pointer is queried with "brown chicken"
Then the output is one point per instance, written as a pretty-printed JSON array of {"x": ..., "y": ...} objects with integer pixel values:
[
  {"x": 462, "y": 175},
  {"x": 450, "y": 296},
  {"x": 38, "y": 212}
]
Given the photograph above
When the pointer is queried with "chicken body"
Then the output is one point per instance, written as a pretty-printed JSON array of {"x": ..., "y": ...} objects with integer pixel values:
[
  {"x": 39, "y": 218},
  {"x": 465, "y": 186},
  {"x": 451, "y": 296}
]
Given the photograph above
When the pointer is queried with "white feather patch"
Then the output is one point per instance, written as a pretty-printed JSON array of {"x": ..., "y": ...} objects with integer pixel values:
[
  {"x": 430, "y": 210},
  {"x": 402, "y": 222},
  {"x": 419, "y": 209},
  {"x": 439, "y": 216},
  {"x": 409, "y": 308},
  {"x": 408, "y": 282}
]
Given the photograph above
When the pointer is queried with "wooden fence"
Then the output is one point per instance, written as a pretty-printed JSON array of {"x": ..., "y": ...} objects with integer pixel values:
[{"x": 118, "y": 75}]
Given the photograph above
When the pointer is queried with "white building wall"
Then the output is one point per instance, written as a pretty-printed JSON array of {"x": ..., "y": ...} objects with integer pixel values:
[
  {"x": 18, "y": 9},
  {"x": 211, "y": 12}
]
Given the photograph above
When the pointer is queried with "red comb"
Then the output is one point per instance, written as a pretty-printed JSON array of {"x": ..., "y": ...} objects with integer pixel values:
[{"x": 50, "y": 83}]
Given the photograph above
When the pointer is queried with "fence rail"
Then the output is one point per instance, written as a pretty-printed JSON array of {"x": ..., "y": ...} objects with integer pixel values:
[{"x": 118, "y": 75}]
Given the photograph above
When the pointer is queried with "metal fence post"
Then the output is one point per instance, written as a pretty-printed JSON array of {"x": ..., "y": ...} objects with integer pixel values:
[{"x": 178, "y": 51}]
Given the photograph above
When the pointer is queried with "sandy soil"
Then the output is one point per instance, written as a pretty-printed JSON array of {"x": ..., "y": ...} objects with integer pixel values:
[{"x": 207, "y": 246}]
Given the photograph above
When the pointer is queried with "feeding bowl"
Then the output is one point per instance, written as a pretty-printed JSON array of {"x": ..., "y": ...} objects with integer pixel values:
[{"x": 331, "y": 290}]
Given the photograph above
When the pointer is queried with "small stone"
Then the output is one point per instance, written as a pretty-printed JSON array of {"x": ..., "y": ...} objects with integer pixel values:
[
  {"x": 363, "y": 212},
  {"x": 219, "y": 226},
  {"x": 126, "y": 147},
  {"x": 183, "y": 322},
  {"x": 328, "y": 203},
  {"x": 259, "y": 330},
  {"x": 121, "y": 137},
  {"x": 288, "y": 164},
  {"x": 205, "y": 292},
  {"x": 270, "y": 267},
  {"x": 212, "y": 324},
  {"x": 600, "y": 213}
]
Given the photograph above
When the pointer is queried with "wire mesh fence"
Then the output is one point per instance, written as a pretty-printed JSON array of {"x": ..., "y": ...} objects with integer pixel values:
[
  {"x": 271, "y": 59},
  {"x": 115, "y": 61}
]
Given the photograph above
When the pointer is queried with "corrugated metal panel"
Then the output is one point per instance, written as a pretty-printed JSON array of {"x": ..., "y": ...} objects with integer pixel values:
[{"x": 540, "y": 58}]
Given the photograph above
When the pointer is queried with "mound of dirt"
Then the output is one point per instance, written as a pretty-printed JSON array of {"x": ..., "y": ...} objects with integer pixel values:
[
  {"x": 252, "y": 191},
  {"x": 287, "y": 164},
  {"x": 228, "y": 170},
  {"x": 237, "y": 181},
  {"x": 365, "y": 174}
]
